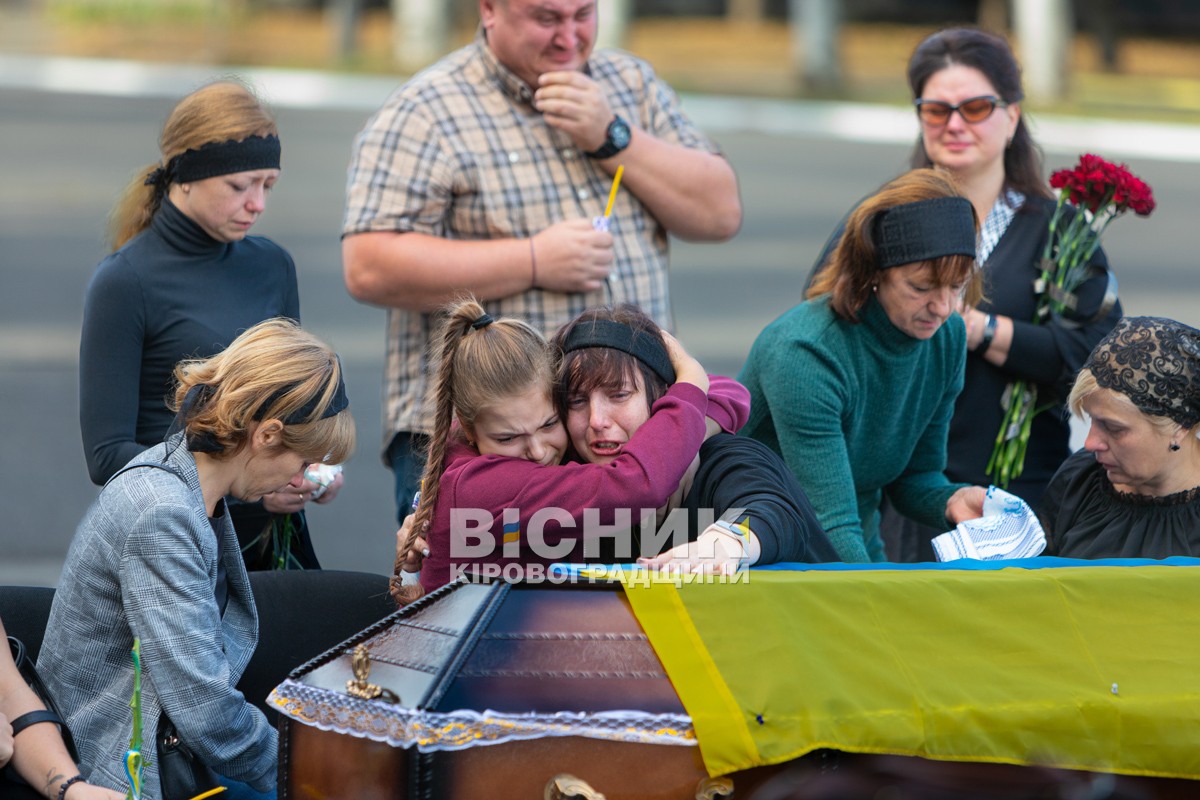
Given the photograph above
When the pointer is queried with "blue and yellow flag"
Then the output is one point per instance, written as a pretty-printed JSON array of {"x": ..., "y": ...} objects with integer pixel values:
[{"x": 1064, "y": 663}]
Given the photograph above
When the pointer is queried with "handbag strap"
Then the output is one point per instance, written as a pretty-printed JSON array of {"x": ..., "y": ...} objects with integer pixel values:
[
  {"x": 151, "y": 464},
  {"x": 17, "y": 648},
  {"x": 29, "y": 671}
]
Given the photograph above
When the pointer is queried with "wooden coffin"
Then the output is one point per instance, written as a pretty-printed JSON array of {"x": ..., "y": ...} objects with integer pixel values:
[{"x": 502, "y": 688}]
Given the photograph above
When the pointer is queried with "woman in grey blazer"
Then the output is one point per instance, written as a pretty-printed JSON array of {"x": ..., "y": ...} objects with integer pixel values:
[{"x": 156, "y": 559}]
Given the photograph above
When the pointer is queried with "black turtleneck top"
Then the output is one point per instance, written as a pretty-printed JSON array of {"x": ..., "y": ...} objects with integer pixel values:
[{"x": 172, "y": 292}]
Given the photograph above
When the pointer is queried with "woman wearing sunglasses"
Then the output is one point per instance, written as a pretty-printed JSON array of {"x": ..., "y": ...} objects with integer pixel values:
[{"x": 966, "y": 88}]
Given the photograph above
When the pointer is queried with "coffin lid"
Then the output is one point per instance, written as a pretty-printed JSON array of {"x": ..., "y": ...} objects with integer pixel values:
[{"x": 479, "y": 664}]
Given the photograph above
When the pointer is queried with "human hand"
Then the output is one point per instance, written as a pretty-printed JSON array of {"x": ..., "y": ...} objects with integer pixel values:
[
  {"x": 715, "y": 551},
  {"x": 331, "y": 489},
  {"x": 575, "y": 104},
  {"x": 965, "y": 504},
  {"x": 289, "y": 499},
  {"x": 86, "y": 791},
  {"x": 687, "y": 369},
  {"x": 572, "y": 256},
  {"x": 410, "y": 559}
]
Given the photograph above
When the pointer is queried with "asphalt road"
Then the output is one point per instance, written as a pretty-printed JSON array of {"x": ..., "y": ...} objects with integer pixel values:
[{"x": 63, "y": 157}]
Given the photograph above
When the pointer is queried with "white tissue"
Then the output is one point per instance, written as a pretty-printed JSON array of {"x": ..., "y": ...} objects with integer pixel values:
[
  {"x": 1007, "y": 529},
  {"x": 322, "y": 475}
]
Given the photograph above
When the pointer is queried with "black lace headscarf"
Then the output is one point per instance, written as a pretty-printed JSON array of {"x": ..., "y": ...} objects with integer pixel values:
[{"x": 1155, "y": 362}]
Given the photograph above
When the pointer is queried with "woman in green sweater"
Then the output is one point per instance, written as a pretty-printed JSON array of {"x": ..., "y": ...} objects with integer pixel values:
[{"x": 855, "y": 386}]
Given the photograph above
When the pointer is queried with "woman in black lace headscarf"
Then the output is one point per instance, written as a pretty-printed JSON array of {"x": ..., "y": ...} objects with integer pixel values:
[{"x": 1134, "y": 490}]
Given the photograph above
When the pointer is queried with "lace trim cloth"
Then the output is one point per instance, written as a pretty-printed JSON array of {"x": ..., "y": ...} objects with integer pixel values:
[
  {"x": 1180, "y": 498},
  {"x": 436, "y": 731}
]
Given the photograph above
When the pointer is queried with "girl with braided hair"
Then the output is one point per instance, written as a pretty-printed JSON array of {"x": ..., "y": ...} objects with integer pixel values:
[{"x": 498, "y": 442}]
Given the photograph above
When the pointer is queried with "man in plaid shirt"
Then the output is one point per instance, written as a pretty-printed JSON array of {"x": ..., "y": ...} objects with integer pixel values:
[{"x": 483, "y": 174}]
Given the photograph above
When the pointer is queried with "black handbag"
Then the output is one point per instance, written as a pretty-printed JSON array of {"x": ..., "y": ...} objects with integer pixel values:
[
  {"x": 28, "y": 671},
  {"x": 181, "y": 776}
]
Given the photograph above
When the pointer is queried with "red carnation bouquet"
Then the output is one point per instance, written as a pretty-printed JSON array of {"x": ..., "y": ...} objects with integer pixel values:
[{"x": 1090, "y": 196}]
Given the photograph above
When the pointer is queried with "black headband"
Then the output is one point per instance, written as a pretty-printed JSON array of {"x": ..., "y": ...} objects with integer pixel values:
[
  {"x": 205, "y": 442},
  {"x": 337, "y": 404},
  {"x": 197, "y": 442},
  {"x": 924, "y": 230},
  {"x": 645, "y": 347},
  {"x": 218, "y": 158}
]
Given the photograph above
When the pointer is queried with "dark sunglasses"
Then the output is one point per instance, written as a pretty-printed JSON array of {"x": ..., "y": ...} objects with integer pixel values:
[{"x": 973, "y": 109}]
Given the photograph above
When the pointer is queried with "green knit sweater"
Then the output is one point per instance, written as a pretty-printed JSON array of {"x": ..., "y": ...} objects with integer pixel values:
[{"x": 855, "y": 409}]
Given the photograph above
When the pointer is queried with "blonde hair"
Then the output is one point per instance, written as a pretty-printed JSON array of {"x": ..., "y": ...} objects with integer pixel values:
[
  {"x": 852, "y": 271},
  {"x": 479, "y": 361},
  {"x": 271, "y": 371},
  {"x": 1086, "y": 385},
  {"x": 219, "y": 112}
]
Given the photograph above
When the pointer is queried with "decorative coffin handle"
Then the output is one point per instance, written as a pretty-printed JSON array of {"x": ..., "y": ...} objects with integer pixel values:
[
  {"x": 712, "y": 788},
  {"x": 567, "y": 787},
  {"x": 359, "y": 687}
]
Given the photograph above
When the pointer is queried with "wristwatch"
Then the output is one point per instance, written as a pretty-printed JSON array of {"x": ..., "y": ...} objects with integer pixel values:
[
  {"x": 739, "y": 532},
  {"x": 616, "y": 139},
  {"x": 989, "y": 333}
]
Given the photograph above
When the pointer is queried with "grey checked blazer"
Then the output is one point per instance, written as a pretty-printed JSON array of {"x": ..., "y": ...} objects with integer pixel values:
[{"x": 144, "y": 564}]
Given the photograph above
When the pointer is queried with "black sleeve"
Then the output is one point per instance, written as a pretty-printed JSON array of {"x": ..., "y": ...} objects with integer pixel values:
[
  {"x": 1058, "y": 496},
  {"x": 291, "y": 300},
  {"x": 741, "y": 473},
  {"x": 110, "y": 368}
]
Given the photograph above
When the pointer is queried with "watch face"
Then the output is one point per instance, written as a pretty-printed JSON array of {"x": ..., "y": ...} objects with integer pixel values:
[{"x": 618, "y": 133}]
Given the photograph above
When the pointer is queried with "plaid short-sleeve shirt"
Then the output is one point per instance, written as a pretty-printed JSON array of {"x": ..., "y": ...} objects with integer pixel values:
[{"x": 459, "y": 152}]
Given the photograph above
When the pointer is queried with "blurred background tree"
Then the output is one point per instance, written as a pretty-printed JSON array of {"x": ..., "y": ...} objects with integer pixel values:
[{"x": 1078, "y": 55}]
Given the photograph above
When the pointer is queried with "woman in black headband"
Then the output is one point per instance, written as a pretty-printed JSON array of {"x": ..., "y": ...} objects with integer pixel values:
[
  {"x": 854, "y": 388},
  {"x": 156, "y": 559},
  {"x": 737, "y": 501},
  {"x": 184, "y": 279},
  {"x": 1134, "y": 490},
  {"x": 966, "y": 85}
]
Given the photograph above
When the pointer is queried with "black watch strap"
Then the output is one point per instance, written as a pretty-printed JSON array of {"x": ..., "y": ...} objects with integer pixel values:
[
  {"x": 33, "y": 718},
  {"x": 989, "y": 333},
  {"x": 616, "y": 139}
]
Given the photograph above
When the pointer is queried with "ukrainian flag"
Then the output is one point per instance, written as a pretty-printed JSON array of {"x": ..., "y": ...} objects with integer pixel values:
[
  {"x": 1089, "y": 665},
  {"x": 512, "y": 532}
]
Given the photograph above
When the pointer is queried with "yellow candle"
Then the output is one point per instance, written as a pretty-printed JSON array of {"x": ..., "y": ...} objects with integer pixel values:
[{"x": 612, "y": 195}]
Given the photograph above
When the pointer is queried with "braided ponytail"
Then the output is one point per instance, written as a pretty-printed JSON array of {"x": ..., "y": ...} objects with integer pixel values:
[
  {"x": 449, "y": 338},
  {"x": 480, "y": 361}
]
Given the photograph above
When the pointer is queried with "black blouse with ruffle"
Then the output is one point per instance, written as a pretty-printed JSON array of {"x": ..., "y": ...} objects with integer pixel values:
[{"x": 1085, "y": 517}]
